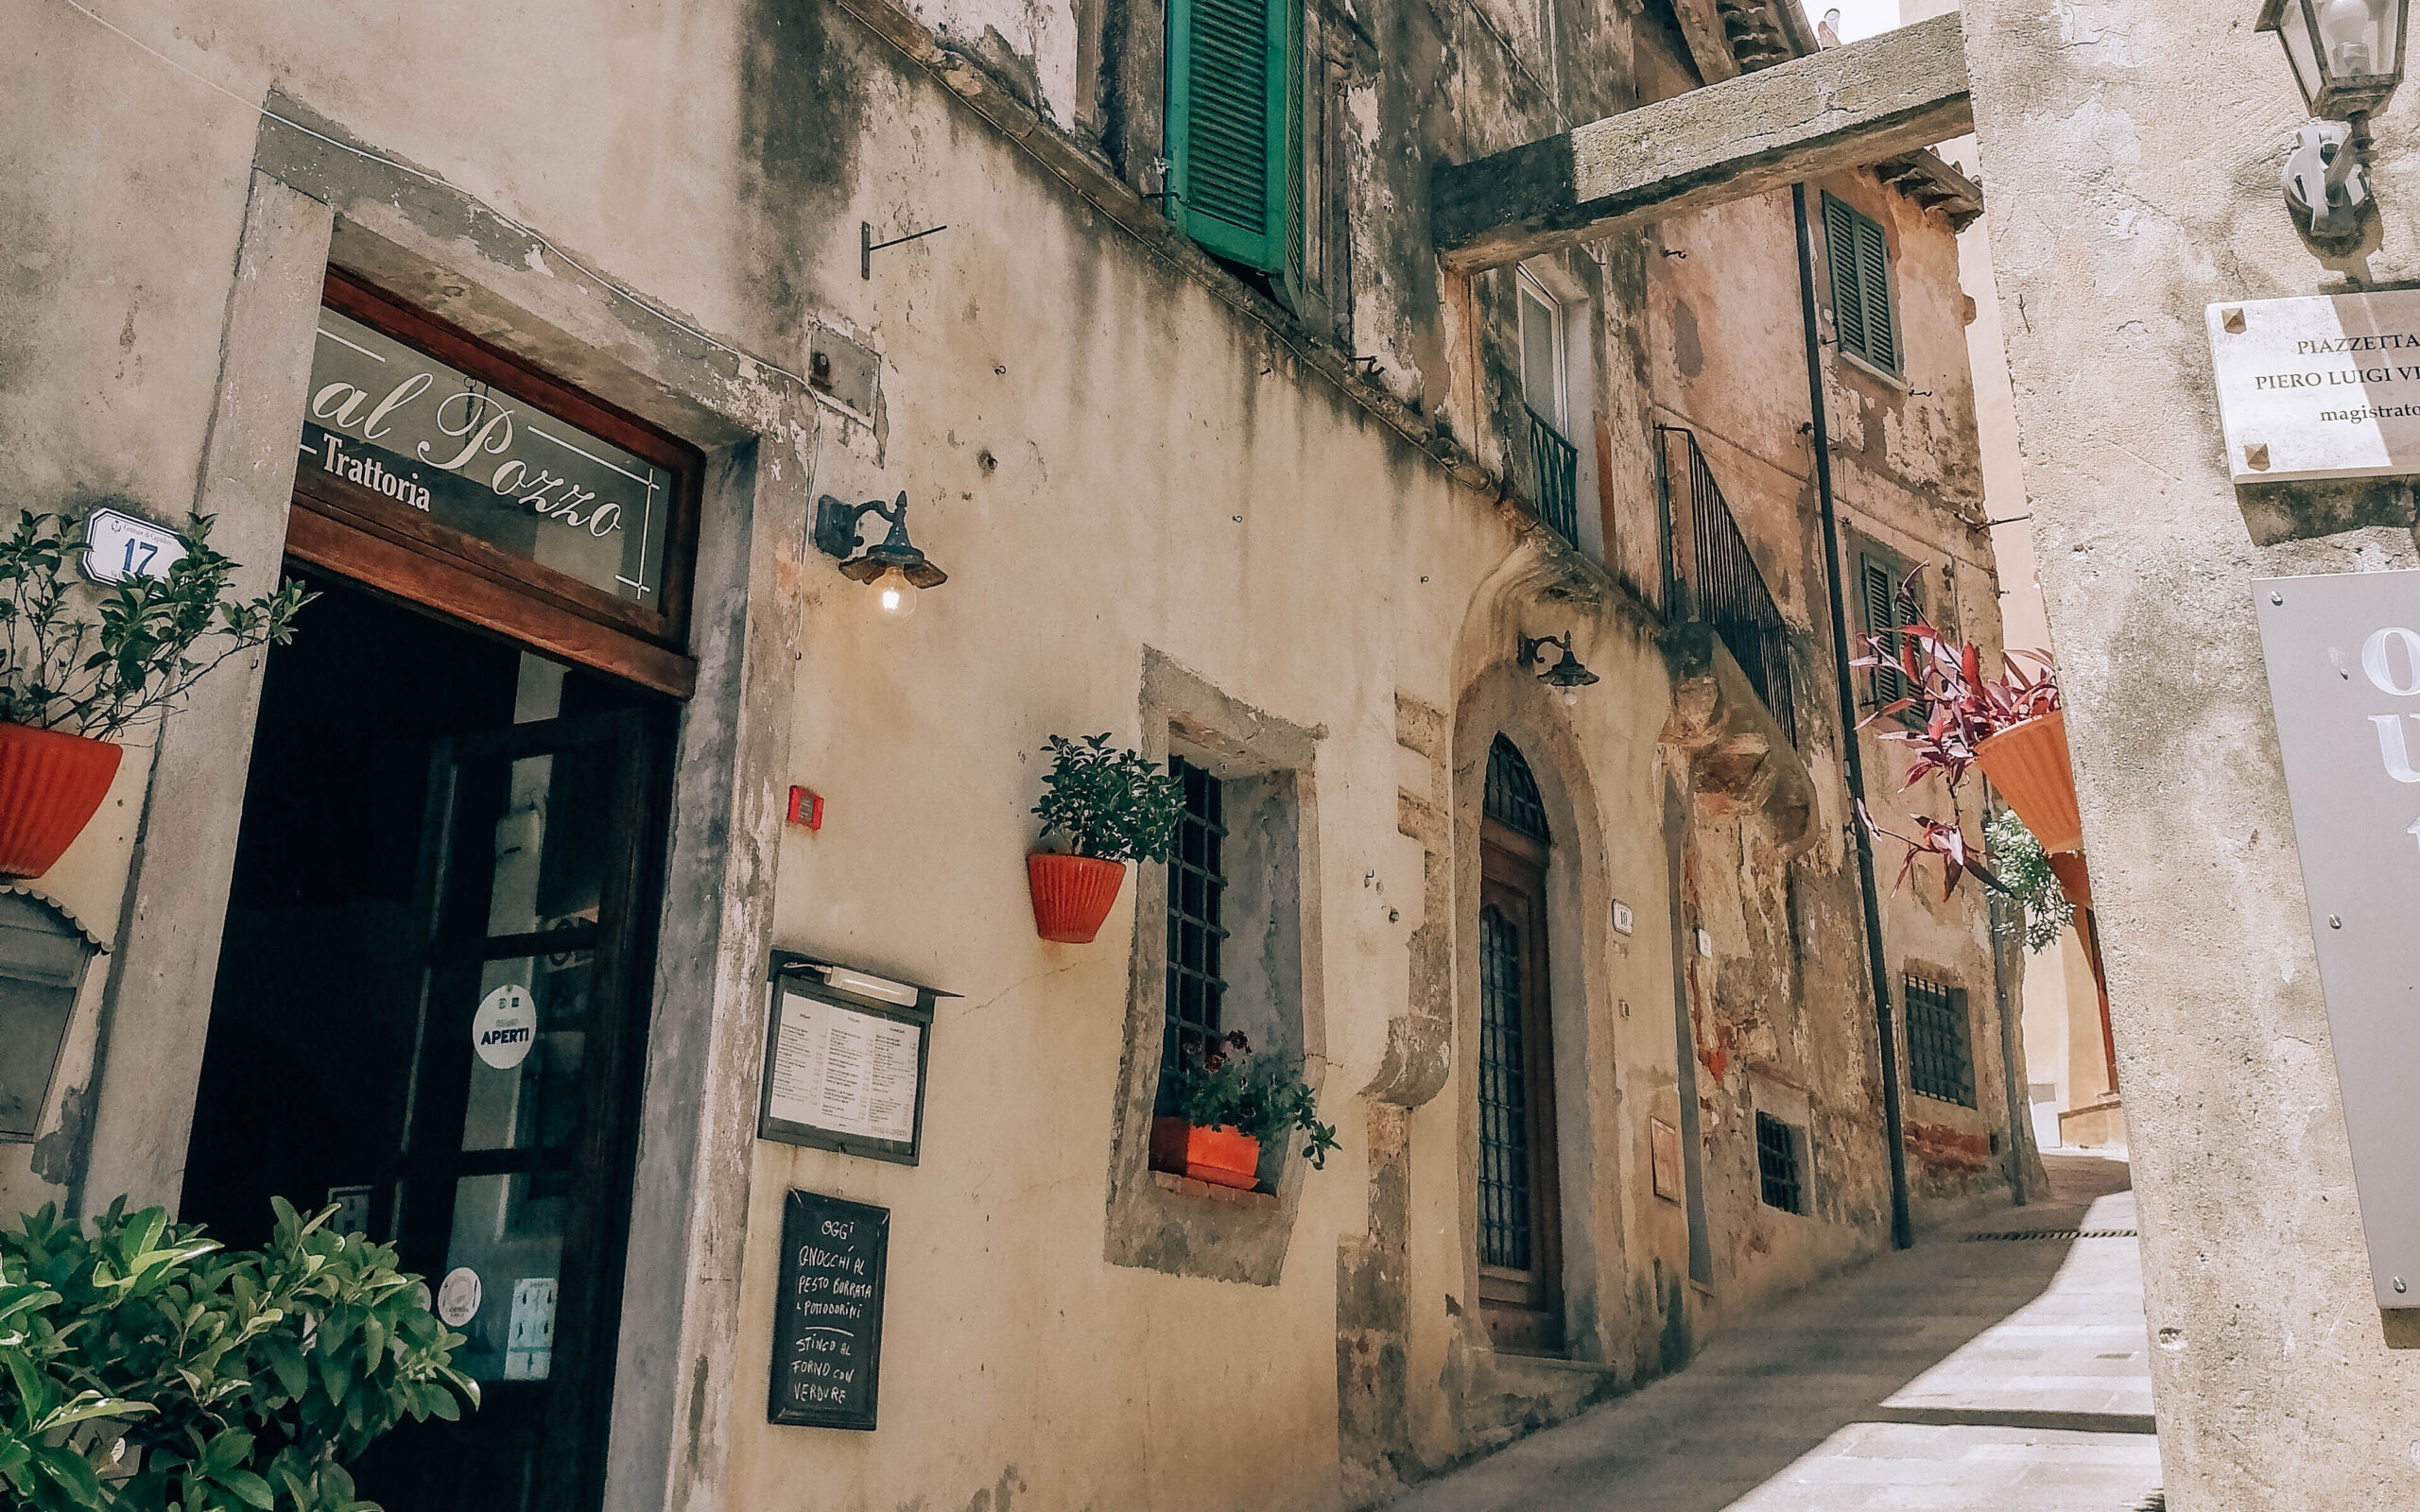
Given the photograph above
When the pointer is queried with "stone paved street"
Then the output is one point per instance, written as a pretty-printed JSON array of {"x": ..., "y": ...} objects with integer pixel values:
[{"x": 2003, "y": 1375}]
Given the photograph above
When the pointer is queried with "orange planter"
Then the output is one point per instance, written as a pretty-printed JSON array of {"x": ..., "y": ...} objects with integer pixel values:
[
  {"x": 1072, "y": 895},
  {"x": 2068, "y": 866},
  {"x": 1220, "y": 1156},
  {"x": 50, "y": 786},
  {"x": 2028, "y": 764}
]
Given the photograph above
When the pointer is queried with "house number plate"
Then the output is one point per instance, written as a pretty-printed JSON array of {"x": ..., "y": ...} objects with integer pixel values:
[{"x": 119, "y": 548}]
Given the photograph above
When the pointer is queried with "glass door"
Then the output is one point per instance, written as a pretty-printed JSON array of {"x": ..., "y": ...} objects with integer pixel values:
[{"x": 512, "y": 1184}]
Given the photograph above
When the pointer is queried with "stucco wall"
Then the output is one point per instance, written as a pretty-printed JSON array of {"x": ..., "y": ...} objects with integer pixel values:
[{"x": 2133, "y": 149}]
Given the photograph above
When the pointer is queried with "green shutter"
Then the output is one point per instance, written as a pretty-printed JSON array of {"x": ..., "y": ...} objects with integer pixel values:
[
  {"x": 1860, "y": 253},
  {"x": 1873, "y": 272},
  {"x": 1233, "y": 169},
  {"x": 1880, "y": 591}
]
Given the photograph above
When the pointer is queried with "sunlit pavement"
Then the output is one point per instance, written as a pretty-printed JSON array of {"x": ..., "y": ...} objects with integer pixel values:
[{"x": 2002, "y": 1374}]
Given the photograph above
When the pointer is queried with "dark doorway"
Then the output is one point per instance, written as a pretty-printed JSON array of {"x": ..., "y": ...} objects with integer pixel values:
[{"x": 430, "y": 1011}]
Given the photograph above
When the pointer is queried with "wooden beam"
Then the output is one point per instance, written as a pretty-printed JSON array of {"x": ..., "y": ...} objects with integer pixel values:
[{"x": 1841, "y": 107}]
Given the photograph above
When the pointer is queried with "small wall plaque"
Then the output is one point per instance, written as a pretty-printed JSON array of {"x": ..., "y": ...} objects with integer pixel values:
[
  {"x": 2324, "y": 387},
  {"x": 1664, "y": 1151},
  {"x": 845, "y": 1053},
  {"x": 827, "y": 1318}
]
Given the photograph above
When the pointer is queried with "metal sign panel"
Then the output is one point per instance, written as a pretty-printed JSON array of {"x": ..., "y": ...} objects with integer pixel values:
[
  {"x": 2320, "y": 386},
  {"x": 2343, "y": 655}
]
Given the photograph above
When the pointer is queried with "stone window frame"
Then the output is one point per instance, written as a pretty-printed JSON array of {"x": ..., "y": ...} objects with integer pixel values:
[{"x": 1153, "y": 1222}]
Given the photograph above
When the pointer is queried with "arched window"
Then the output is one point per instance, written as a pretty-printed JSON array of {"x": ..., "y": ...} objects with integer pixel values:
[{"x": 1520, "y": 1220}]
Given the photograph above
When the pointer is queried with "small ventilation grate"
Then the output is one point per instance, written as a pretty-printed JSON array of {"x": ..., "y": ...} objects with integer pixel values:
[{"x": 2060, "y": 1233}]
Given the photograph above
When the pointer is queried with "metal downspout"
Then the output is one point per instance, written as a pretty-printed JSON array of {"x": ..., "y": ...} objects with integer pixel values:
[{"x": 1893, "y": 1125}]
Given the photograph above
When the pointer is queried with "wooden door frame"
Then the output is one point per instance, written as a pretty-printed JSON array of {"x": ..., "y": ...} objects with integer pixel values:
[{"x": 1524, "y": 1311}]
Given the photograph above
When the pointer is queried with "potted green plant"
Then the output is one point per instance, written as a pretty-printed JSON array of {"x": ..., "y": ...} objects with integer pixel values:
[
  {"x": 1114, "y": 807},
  {"x": 1228, "y": 1103},
  {"x": 143, "y": 1366},
  {"x": 81, "y": 663}
]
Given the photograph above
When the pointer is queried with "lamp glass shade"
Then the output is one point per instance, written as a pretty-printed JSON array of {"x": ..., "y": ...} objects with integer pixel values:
[
  {"x": 2347, "y": 55},
  {"x": 894, "y": 596}
]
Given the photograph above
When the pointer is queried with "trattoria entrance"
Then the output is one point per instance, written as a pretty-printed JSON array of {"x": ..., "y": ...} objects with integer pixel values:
[{"x": 434, "y": 988}]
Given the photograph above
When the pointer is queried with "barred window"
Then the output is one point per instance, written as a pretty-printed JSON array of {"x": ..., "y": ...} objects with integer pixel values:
[
  {"x": 1780, "y": 1178},
  {"x": 1512, "y": 797},
  {"x": 1196, "y": 891},
  {"x": 1941, "y": 1054},
  {"x": 1504, "y": 1177}
]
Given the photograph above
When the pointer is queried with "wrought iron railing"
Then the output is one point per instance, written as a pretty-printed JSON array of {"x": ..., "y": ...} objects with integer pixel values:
[
  {"x": 1554, "y": 463},
  {"x": 1710, "y": 577}
]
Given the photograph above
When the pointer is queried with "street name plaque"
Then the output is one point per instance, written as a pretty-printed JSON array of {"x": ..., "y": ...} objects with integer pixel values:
[
  {"x": 2324, "y": 387},
  {"x": 2343, "y": 657}
]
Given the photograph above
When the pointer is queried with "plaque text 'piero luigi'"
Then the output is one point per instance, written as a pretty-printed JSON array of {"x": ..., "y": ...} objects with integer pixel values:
[{"x": 2326, "y": 386}]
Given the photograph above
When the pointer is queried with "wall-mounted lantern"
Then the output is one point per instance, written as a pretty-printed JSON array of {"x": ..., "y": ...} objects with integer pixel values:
[
  {"x": 894, "y": 570},
  {"x": 1567, "y": 677},
  {"x": 2347, "y": 57}
]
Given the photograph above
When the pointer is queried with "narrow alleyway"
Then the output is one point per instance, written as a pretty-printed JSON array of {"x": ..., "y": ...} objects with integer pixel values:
[{"x": 2002, "y": 1374}]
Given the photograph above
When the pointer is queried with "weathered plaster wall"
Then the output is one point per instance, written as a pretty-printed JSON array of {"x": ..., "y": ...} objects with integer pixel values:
[{"x": 2134, "y": 150}]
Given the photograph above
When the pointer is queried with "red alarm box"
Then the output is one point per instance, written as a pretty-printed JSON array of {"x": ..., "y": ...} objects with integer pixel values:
[{"x": 807, "y": 807}]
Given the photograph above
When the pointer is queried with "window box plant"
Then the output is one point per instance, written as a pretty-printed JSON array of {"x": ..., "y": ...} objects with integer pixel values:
[
  {"x": 1229, "y": 1103},
  {"x": 1114, "y": 807},
  {"x": 83, "y": 663}
]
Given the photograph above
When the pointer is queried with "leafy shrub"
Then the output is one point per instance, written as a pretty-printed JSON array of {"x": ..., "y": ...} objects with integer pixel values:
[
  {"x": 1112, "y": 805},
  {"x": 144, "y": 1369},
  {"x": 2025, "y": 869},
  {"x": 1264, "y": 1097},
  {"x": 91, "y": 660}
]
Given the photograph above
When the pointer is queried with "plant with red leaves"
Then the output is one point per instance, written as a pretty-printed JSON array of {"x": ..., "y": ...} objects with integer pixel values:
[{"x": 1960, "y": 709}]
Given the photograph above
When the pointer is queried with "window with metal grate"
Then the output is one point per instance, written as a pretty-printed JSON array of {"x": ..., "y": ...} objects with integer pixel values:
[
  {"x": 1862, "y": 315},
  {"x": 1197, "y": 889},
  {"x": 1511, "y": 797},
  {"x": 1504, "y": 1176},
  {"x": 1941, "y": 1052},
  {"x": 1234, "y": 137},
  {"x": 1780, "y": 1179}
]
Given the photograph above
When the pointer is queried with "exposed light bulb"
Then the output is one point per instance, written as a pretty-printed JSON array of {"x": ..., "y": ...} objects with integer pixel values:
[
  {"x": 894, "y": 596},
  {"x": 2348, "y": 26},
  {"x": 1571, "y": 697}
]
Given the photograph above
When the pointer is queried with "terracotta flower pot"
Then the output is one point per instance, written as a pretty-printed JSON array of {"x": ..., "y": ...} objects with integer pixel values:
[
  {"x": 1072, "y": 895},
  {"x": 2068, "y": 866},
  {"x": 1222, "y": 1157},
  {"x": 2028, "y": 764},
  {"x": 50, "y": 786}
]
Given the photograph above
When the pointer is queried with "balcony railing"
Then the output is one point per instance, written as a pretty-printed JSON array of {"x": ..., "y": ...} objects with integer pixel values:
[
  {"x": 1554, "y": 464},
  {"x": 1711, "y": 579}
]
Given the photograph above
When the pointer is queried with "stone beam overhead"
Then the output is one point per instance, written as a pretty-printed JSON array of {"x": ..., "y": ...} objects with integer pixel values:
[{"x": 1844, "y": 107}]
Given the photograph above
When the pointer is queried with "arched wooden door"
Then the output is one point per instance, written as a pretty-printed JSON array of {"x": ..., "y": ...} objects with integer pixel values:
[{"x": 1520, "y": 1210}]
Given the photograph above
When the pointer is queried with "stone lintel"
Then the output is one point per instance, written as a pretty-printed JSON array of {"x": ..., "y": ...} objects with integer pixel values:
[{"x": 1841, "y": 107}]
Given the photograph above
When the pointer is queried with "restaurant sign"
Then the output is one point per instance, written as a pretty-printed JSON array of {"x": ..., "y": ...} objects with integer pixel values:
[
  {"x": 2343, "y": 658},
  {"x": 429, "y": 437}
]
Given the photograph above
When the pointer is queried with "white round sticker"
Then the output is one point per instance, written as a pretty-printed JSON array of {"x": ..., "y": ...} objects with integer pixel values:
[
  {"x": 457, "y": 1297},
  {"x": 504, "y": 1027}
]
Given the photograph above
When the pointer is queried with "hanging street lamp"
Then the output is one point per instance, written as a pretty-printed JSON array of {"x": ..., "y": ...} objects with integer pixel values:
[
  {"x": 895, "y": 570},
  {"x": 2347, "y": 57}
]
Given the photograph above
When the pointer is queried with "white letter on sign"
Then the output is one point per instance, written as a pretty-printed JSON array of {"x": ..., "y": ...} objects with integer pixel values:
[
  {"x": 2391, "y": 747},
  {"x": 2374, "y": 663}
]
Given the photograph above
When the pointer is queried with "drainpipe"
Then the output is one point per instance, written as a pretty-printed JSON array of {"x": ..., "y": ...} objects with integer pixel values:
[{"x": 1893, "y": 1126}]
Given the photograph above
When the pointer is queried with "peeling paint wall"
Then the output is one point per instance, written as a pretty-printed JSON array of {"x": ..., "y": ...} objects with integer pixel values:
[{"x": 1171, "y": 508}]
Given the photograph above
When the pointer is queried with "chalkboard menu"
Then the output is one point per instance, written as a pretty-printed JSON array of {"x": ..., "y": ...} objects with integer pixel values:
[{"x": 827, "y": 1321}]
